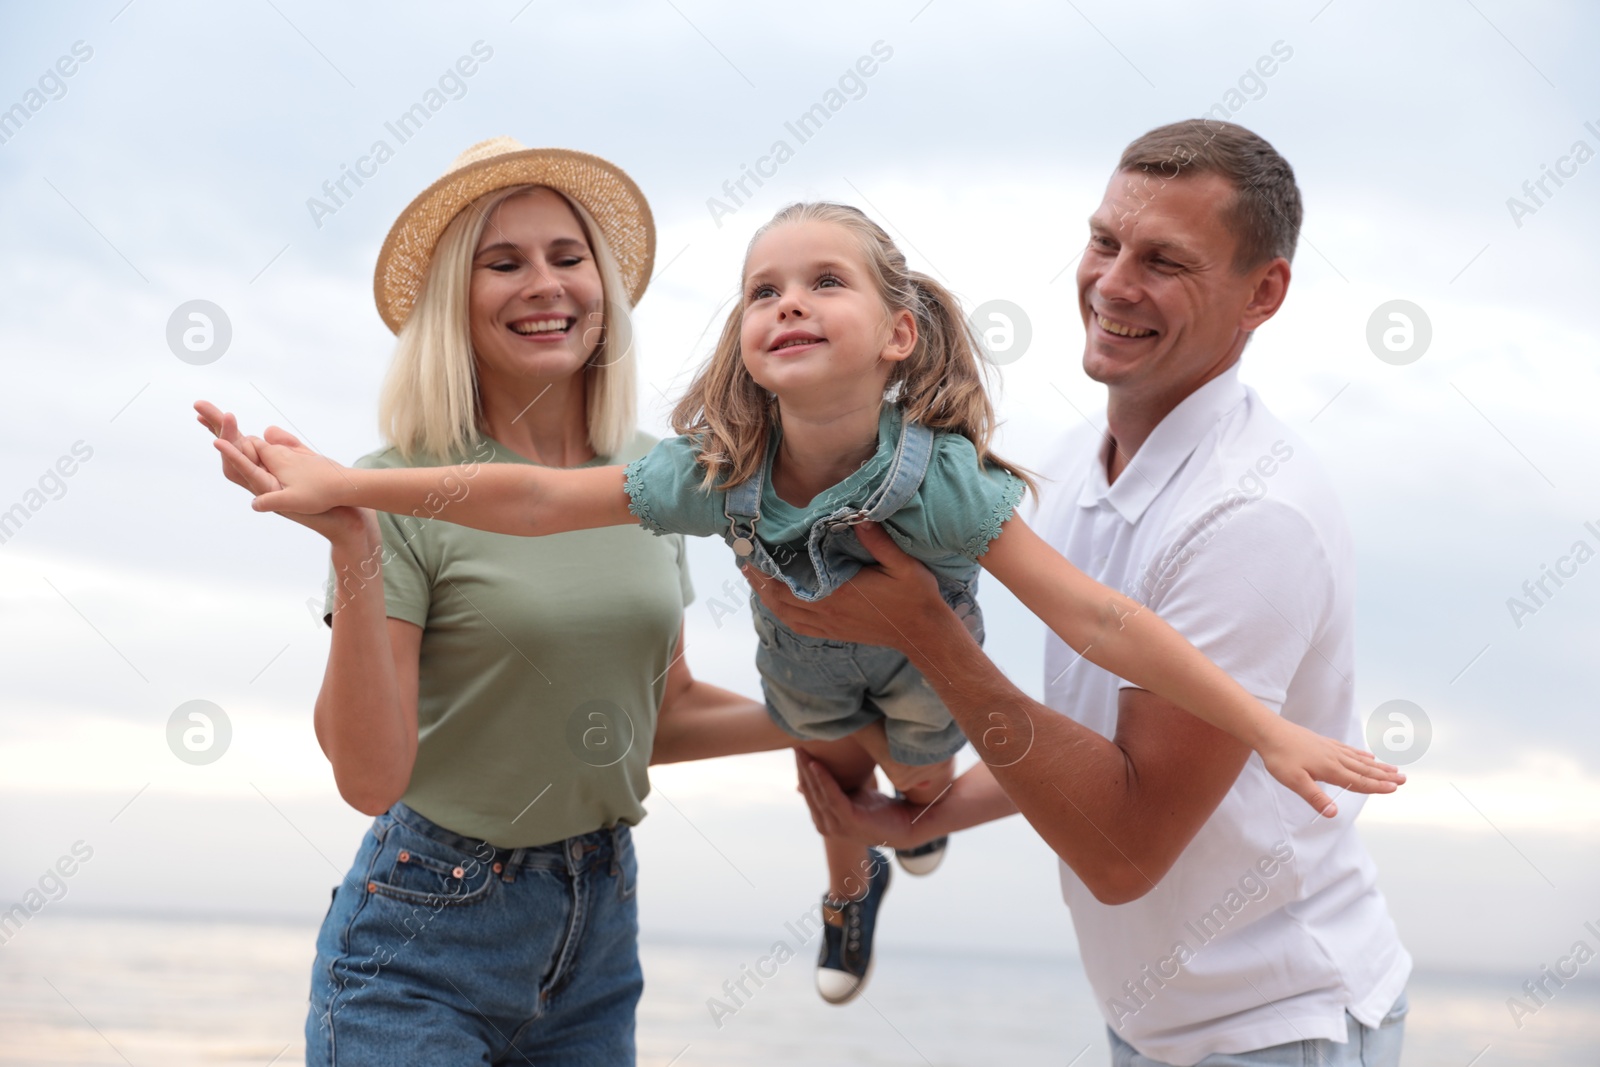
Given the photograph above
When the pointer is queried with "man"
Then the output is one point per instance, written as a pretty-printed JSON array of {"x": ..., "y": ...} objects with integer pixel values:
[{"x": 1219, "y": 921}]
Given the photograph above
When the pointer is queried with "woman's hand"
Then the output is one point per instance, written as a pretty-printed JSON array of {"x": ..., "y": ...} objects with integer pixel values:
[
  {"x": 1300, "y": 758},
  {"x": 241, "y": 465}
]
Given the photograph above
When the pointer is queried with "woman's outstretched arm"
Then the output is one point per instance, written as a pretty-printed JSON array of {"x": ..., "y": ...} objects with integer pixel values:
[{"x": 508, "y": 498}]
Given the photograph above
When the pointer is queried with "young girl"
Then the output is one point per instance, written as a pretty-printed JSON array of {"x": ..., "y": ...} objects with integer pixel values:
[{"x": 844, "y": 388}]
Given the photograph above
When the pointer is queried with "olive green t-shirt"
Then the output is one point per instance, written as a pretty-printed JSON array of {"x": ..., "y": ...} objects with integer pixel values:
[{"x": 543, "y": 663}]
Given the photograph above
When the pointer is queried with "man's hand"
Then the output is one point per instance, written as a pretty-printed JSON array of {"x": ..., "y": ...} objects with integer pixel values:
[
  {"x": 883, "y": 605},
  {"x": 865, "y": 815}
]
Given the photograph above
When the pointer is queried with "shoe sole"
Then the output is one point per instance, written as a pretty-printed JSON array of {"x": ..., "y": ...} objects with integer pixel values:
[
  {"x": 860, "y": 986},
  {"x": 921, "y": 866},
  {"x": 914, "y": 865}
]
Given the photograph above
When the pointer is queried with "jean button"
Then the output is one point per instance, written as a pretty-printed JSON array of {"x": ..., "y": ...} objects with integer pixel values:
[{"x": 577, "y": 850}]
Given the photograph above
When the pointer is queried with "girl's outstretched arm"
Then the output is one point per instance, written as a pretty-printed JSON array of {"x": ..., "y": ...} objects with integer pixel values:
[
  {"x": 1118, "y": 633},
  {"x": 508, "y": 498}
]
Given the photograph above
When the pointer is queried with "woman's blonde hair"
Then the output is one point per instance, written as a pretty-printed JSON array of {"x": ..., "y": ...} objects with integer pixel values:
[
  {"x": 430, "y": 403},
  {"x": 941, "y": 384}
]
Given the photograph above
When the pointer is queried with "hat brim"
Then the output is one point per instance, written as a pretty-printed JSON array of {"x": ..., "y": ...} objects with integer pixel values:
[{"x": 605, "y": 191}]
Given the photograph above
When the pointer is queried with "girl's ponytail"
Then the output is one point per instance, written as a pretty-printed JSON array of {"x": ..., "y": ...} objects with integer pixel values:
[{"x": 943, "y": 385}]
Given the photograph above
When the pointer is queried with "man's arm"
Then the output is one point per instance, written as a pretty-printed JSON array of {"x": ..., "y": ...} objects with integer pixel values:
[{"x": 1118, "y": 812}]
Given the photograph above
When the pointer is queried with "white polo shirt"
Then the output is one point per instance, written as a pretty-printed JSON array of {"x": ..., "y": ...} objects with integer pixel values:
[{"x": 1270, "y": 925}]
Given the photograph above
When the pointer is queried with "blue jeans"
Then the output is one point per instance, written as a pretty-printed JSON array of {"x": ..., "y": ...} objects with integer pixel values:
[
  {"x": 439, "y": 948},
  {"x": 1365, "y": 1046}
]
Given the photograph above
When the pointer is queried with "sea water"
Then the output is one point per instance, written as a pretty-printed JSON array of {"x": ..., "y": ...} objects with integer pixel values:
[{"x": 77, "y": 989}]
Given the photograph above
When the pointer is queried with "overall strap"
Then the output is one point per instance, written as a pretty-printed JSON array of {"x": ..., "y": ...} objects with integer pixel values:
[
  {"x": 742, "y": 508},
  {"x": 906, "y": 471},
  {"x": 743, "y": 501}
]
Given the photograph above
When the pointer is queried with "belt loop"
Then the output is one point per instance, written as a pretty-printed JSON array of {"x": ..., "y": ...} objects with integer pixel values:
[
  {"x": 509, "y": 865},
  {"x": 616, "y": 849}
]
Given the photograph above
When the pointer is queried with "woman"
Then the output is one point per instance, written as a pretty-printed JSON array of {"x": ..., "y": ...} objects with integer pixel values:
[{"x": 492, "y": 700}]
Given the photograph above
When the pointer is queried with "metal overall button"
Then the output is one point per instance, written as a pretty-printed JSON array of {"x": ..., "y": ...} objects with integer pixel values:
[{"x": 844, "y": 522}]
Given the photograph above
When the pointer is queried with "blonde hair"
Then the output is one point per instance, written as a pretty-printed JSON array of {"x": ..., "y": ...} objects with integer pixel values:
[
  {"x": 941, "y": 384},
  {"x": 430, "y": 403}
]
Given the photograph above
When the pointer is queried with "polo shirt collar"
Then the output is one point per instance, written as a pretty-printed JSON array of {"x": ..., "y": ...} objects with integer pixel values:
[{"x": 1166, "y": 449}]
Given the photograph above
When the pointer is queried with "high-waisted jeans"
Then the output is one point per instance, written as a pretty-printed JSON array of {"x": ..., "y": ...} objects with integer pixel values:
[{"x": 440, "y": 948}]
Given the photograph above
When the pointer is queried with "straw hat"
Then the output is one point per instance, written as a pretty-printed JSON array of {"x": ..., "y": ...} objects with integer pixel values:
[{"x": 605, "y": 191}]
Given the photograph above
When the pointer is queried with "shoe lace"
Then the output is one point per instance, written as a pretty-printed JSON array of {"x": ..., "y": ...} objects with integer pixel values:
[{"x": 852, "y": 927}]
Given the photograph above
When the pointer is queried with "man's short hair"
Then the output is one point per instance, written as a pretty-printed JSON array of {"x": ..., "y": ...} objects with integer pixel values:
[{"x": 1266, "y": 212}]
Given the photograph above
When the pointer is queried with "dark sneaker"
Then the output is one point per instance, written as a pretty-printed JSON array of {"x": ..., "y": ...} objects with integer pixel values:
[
  {"x": 845, "y": 962},
  {"x": 923, "y": 859}
]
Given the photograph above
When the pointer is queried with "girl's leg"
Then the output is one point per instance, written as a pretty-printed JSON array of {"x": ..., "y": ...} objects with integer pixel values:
[
  {"x": 926, "y": 784},
  {"x": 848, "y": 860},
  {"x": 919, "y": 783}
]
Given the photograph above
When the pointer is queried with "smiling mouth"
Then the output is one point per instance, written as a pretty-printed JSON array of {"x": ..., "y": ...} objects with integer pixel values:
[
  {"x": 797, "y": 342},
  {"x": 1122, "y": 329},
  {"x": 541, "y": 326}
]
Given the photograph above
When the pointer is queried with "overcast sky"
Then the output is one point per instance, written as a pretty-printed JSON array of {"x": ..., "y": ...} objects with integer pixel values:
[{"x": 176, "y": 162}]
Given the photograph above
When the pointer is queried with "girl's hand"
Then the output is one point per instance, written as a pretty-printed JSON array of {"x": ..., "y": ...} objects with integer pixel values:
[
  {"x": 308, "y": 483},
  {"x": 1300, "y": 758},
  {"x": 241, "y": 465}
]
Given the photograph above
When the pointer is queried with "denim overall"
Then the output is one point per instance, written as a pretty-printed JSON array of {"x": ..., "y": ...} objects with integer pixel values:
[{"x": 820, "y": 690}]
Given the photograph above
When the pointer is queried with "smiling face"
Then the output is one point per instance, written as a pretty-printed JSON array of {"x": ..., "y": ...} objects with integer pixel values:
[
  {"x": 536, "y": 298},
  {"x": 815, "y": 328},
  {"x": 1163, "y": 308}
]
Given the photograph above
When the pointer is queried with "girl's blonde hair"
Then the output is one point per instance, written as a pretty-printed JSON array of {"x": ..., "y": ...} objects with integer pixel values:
[
  {"x": 430, "y": 403},
  {"x": 941, "y": 384}
]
